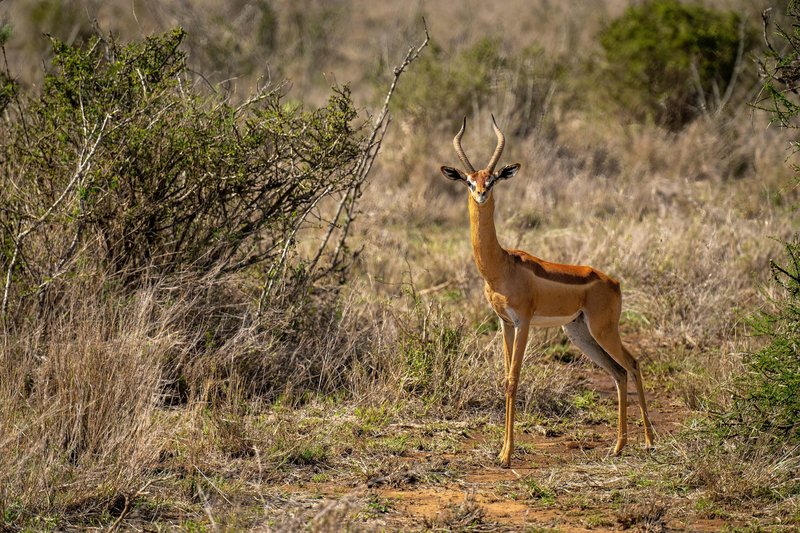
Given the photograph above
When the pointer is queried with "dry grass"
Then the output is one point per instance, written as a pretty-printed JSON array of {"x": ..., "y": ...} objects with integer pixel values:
[
  {"x": 167, "y": 406},
  {"x": 80, "y": 398}
]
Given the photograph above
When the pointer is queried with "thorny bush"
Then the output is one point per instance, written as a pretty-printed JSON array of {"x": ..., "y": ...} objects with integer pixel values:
[
  {"x": 124, "y": 165},
  {"x": 767, "y": 396}
]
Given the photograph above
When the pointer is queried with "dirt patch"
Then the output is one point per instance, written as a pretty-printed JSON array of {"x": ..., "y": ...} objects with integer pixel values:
[{"x": 562, "y": 478}]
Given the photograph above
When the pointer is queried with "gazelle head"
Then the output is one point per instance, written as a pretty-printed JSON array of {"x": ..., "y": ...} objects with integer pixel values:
[{"x": 480, "y": 182}]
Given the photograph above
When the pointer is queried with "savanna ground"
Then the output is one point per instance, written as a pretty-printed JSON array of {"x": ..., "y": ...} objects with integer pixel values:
[{"x": 375, "y": 400}]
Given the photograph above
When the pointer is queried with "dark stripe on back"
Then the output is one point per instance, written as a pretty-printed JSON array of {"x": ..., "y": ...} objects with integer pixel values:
[{"x": 525, "y": 260}]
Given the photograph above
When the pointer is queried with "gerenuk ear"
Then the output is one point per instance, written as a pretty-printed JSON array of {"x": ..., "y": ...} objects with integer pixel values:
[
  {"x": 507, "y": 171},
  {"x": 453, "y": 174}
]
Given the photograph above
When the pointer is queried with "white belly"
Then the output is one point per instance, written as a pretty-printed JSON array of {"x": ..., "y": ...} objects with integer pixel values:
[{"x": 552, "y": 321}]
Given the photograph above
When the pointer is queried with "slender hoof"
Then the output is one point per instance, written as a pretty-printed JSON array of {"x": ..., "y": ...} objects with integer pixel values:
[
  {"x": 504, "y": 459},
  {"x": 618, "y": 447}
]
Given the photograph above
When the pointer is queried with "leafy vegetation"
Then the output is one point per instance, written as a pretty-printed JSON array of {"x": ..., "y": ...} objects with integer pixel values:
[
  {"x": 670, "y": 61},
  {"x": 444, "y": 85},
  {"x": 147, "y": 226},
  {"x": 140, "y": 175},
  {"x": 768, "y": 393}
]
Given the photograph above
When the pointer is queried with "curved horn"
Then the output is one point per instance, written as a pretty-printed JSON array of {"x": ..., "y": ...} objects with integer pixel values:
[
  {"x": 501, "y": 143},
  {"x": 460, "y": 151}
]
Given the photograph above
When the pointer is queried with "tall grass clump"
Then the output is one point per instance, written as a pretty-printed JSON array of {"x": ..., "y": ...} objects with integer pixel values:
[
  {"x": 78, "y": 430},
  {"x": 439, "y": 361},
  {"x": 670, "y": 61}
]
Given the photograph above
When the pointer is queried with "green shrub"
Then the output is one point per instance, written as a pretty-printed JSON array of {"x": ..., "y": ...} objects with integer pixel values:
[
  {"x": 124, "y": 165},
  {"x": 445, "y": 87},
  {"x": 442, "y": 87},
  {"x": 767, "y": 395},
  {"x": 669, "y": 61},
  {"x": 780, "y": 69}
]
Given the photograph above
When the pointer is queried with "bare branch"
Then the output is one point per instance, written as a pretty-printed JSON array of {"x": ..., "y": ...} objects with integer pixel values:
[
  {"x": 737, "y": 68},
  {"x": 701, "y": 95},
  {"x": 765, "y": 19}
]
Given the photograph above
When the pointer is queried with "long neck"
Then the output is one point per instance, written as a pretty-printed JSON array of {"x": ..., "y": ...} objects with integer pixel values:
[{"x": 489, "y": 256}]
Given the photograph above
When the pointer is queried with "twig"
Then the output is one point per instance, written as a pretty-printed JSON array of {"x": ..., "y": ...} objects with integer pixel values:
[
  {"x": 126, "y": 508},
  {"x": 701, "y": 94},
  {"x": 356, "y": 193},
  {"x": 117, "y": 522},
  {"x": 765, "y": 19},
  {"x": 435, "y": 288},
  {"x": 262, "y": 94},
  {"x": 213, "y": 486}
]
